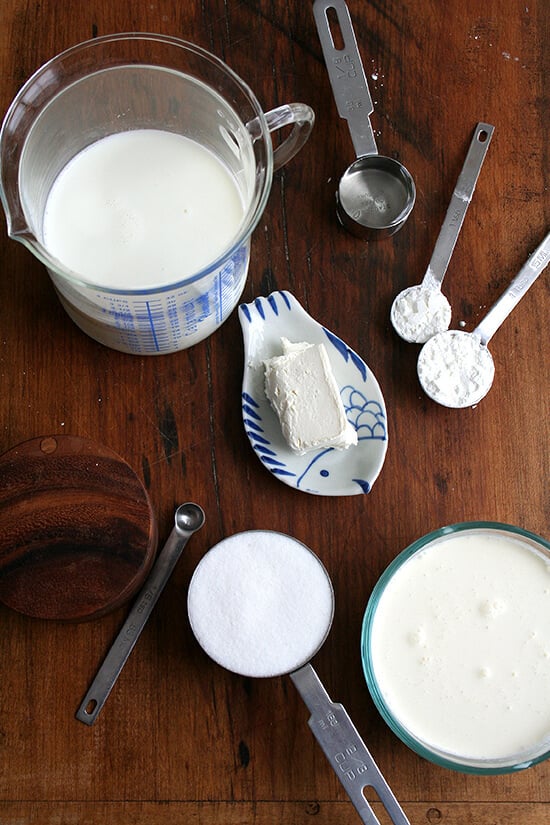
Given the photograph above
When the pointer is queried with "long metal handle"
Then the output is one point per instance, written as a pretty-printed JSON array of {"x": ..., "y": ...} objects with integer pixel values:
[
  {"x": 458, "y": 206},
  {"x": 525, "y": 278},
  {"x": 346, "y": 75},
  {"x": 189, "y": 517},
  {"x": 345, "y": 750}
]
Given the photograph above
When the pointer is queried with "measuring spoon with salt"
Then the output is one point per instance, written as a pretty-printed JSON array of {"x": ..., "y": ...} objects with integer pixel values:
[
  {"x": 455, "y": 368},
  {"x": 188, "y": 518},
  {"x": 261, "y": 604},
  {"x": 421, "y": 311},
  {"x": 376, "y": 194}
]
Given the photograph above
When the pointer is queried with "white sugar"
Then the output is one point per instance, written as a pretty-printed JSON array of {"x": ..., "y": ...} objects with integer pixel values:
[{"x": 260, "y": 603}]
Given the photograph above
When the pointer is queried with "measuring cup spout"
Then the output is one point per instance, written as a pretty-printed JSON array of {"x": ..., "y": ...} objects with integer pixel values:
[
  {"x": 21, "y": 233},
  {"x": 19, "y": 230}
]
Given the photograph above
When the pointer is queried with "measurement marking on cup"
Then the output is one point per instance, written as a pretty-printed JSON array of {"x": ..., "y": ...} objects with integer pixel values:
[
  {"x": 152, "y": 323},
  {"x": 151, "y": 314}
]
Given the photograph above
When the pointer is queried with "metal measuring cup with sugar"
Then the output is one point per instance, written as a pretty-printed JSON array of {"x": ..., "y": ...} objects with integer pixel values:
[
  {"x": 375, "y": 194},
  {"x": 245, "y": 601}
]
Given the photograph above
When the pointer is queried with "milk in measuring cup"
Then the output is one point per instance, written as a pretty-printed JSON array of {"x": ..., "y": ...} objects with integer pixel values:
[{"x": 142, "y": 209}]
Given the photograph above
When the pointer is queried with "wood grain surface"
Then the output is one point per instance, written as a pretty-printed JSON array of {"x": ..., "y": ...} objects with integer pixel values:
[
  {"x": 180, "y": 740},
  {"x": 77, "y": 532}
]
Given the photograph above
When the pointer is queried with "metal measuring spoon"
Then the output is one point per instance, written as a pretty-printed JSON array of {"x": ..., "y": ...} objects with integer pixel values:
[
  {"x": 455, "y": 368},
  {"x": 376, "y": 194},
  {"x": 225, "y": 571},
  {"x": 189, "y": 518},
  {"x": 421, "y": 311}
]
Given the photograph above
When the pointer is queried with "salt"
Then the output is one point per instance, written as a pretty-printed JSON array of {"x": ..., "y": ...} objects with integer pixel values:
[
  {"x": 420, "y": 312},
  {"x": 455, "y": 369},
  {"x": 260, "y": 603}
]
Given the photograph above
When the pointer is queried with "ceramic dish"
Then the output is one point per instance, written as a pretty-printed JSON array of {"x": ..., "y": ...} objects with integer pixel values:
[
  {"x": 456, "y": 647},
  {"x": 324, "y": 472}
]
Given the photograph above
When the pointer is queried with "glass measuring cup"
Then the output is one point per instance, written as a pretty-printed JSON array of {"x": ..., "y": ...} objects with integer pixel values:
[
  {"x": 117, "y": 84},
  {"x": 261, "y": 604},
  {"x": 375, "y": 194}
]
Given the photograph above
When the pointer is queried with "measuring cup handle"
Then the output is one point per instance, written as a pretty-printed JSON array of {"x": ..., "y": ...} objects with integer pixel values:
[
  {"x": 345, "y": 750},
  {"x": 298, "y": 115},
  {"x": 346, "y": 75},
  {"x": 517, "y": 288}
]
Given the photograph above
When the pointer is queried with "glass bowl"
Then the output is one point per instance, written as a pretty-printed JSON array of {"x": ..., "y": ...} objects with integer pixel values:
[{"x": 455, "y": 647}]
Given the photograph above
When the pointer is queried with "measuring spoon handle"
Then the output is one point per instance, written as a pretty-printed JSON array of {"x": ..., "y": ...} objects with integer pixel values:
[
  {"x": 130, "y": 631},
  {"x": 458, "y": 206},
  {"x": 346, "y": 75},
  {"x": 344, "y": 749},
  {"x": 517, "y": 288}
]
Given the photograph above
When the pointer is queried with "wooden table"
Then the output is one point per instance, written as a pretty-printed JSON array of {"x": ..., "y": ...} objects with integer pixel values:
[{"x": 180, "y": 740}]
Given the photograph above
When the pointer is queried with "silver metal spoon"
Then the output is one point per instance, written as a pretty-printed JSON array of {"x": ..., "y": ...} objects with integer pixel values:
[
  {"x": 421, "y": 311},
  {"x": 189, "y": 518},
  {"x": 455, "y": 368}
]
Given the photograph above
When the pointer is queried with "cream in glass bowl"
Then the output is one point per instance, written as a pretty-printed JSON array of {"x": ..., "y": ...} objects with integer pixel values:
[{"x": 456, "y": 647}]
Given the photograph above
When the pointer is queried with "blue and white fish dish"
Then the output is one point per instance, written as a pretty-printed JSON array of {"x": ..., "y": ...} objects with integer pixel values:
[{"x": 326, "y": 471}]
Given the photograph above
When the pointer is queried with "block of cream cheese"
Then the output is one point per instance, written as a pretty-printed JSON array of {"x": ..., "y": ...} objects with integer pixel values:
[{"x": 302, "y": 390}]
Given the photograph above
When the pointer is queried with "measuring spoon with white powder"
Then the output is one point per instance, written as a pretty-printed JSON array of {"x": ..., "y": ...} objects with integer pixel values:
[
  {"x": 455, "y": 368},
  {"x": 261, "y": 604},
  {"x": 421, "y": 311}
]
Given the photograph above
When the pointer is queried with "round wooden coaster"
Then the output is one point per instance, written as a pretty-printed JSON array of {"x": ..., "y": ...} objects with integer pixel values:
[{"x": 77, "y": 530}]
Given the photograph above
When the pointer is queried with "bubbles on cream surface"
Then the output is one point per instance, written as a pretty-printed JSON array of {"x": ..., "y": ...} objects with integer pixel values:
[
  {"x": 260, "y": 603},
  {"x": 460, "y": 645},
  {"x": 142, "y": 208}
]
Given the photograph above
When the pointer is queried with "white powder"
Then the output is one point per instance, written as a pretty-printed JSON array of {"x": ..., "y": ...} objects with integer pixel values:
[
  {"x": 260, "y": 603},
  {"x": 420, "y": 312},
  {"x": 455, "y": 369}
]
